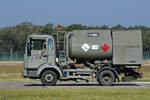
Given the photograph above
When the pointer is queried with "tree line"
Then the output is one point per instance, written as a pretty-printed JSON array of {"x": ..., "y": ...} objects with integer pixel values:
[{"x": 14, "y": 38}]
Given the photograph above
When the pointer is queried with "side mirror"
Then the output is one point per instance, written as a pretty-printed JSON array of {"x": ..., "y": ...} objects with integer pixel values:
[{"x": 28, "y": 48}]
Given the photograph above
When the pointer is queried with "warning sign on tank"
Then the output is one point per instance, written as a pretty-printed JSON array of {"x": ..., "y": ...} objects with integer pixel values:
[
  {"x": 85, "y": 47},
  {"x": 105, "y": 47},
  {"x": 95, "y": 47}
]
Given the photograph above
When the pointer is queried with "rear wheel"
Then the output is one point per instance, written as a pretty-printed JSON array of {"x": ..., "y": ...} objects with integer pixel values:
[
  {"x": 106, "y": 78},
  {"x": 49, "y": 78}
]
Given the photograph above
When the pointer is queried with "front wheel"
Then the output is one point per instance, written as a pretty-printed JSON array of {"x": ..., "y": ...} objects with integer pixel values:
[
  {"x": 106, "y": 78},
  {"x": 49, "y": 78}
]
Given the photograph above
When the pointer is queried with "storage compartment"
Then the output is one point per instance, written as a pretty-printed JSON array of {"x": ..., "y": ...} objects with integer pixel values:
[{"x": 127, "y": 47}]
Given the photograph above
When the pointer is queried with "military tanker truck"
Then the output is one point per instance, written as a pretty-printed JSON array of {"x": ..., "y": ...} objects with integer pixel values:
[{"x": 105, "y": 55}]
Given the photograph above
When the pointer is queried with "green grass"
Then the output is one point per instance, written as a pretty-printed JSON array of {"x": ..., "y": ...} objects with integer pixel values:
[
  {"x": 15, "y": 78},
  {"x": 12, "y": 73},
  {"x": 76, "y": 94},
  {"x": 146, "y": 74},
  {"x": 11, "y": 69}
]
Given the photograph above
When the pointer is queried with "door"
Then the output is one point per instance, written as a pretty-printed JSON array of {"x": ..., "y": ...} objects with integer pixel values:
[
  {"x": 51, "y": 52},
  {"x": 37, "y": 55}
]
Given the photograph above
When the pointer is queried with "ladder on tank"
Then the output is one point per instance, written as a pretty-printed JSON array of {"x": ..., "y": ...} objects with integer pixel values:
[{"x": 60, "y": 45}]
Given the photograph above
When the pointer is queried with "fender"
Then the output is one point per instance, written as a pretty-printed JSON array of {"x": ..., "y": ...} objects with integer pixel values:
[
  {"x": 108, "y": 68},
  {"x": 46, "y": 66}
]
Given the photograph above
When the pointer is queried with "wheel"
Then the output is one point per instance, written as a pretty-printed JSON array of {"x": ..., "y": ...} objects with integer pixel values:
[
  {"x": 49, "y": 78},
  {"x": 106, "y": 78}
]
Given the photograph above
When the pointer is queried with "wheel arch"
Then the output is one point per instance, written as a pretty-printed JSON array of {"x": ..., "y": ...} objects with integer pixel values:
[{"x": 53, "y": 68}]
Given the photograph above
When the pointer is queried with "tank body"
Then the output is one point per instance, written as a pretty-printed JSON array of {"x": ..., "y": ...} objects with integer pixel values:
[{"x": 89, "y": 45}]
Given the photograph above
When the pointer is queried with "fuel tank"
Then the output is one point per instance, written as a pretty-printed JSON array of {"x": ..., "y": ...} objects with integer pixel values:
[{"x": 89, "y": 44}]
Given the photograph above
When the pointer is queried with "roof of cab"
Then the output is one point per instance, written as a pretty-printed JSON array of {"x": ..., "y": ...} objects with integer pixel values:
[{"x": 35, "y": 35}]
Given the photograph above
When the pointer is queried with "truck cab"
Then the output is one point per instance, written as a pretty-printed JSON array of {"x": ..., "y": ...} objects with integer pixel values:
[{"x": 34, "y": 63}]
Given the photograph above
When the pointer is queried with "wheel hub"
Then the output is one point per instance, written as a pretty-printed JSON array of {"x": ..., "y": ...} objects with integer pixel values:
[
  {"x": 107, "y": 78},
  {"x": 48, "y": 77}
]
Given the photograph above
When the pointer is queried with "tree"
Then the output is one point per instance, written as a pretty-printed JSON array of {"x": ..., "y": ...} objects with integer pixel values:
[
  {"x": 140, "y": 27},
  {"x": 14, "y": 38},
  {"x": 104, "y": 27},
  {"x": 48, "y": 29},
  {"x": 118, "y": 27},
  {"x": 76, "y": 27},
  {"x": 146, "y": 41}
]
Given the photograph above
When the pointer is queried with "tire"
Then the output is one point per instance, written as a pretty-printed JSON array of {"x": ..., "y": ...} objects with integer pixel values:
[
  {"x": 49, "y": 78},
  {"x": 106, "y": 78}
]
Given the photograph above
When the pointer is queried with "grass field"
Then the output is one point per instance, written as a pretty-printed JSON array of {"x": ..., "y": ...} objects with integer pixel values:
[
  {"x": 11, "y": 68},
  {"x": 13, "y": 73},
  {"x": 146, "y": 73},
  {"x": 77, "y": 94}
]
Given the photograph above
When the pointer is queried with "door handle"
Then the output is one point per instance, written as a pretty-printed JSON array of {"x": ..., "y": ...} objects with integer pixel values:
[
  {"x": 132, "y": 61},
  {"x": 44, "y": 55}
]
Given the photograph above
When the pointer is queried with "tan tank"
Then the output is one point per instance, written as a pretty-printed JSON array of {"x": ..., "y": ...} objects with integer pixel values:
[{"x": 90, "y": 44}]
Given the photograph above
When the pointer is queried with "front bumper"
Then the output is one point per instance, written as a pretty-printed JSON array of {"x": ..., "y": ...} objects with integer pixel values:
[
  {"x": 30, "y": 74},
  {"x": 24, "y": 73}
]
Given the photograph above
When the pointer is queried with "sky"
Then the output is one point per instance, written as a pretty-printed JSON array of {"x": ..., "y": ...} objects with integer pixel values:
[{"x": 66, "y": 12}]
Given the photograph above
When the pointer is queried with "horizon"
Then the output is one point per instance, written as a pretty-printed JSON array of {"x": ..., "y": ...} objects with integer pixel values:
[{"x": 77, "y": 24}]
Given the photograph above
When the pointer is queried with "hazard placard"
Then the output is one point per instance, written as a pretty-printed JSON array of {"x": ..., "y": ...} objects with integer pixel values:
[{"x": 85, "y": 47}]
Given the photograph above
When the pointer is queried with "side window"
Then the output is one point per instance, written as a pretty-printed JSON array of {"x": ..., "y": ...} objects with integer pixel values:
[
  {"x": 50, "y": 44},
  {"x": 38, "y": 44}
]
